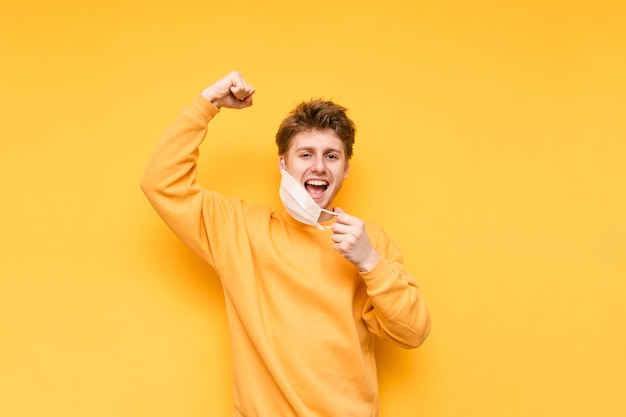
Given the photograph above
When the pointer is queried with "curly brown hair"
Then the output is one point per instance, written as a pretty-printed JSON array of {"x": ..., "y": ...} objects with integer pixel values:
[{"x": 316, "y": 114}]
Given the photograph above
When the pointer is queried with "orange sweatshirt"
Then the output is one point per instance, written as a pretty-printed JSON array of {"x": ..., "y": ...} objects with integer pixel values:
[{"x": 301, "y": 317}]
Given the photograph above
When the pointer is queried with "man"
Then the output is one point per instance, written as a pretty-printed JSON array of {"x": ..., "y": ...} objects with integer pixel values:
[{"x": 306, "y": 287}]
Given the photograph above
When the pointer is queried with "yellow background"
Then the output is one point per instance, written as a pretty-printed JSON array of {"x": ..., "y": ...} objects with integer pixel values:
[{"x": 491, "y": 146}]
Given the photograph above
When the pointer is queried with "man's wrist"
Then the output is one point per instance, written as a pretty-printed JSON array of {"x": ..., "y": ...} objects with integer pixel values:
[
  {"x": 210, "y": 96},
  {"x": 370, "y": 262}
]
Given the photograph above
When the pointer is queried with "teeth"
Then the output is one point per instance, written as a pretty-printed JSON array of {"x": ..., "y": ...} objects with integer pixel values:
[{"x": 316, "y": 182}]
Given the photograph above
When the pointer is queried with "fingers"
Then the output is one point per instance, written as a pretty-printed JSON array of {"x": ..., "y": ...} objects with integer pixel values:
[
  {"x": 230, "y": 91},
  {"x": 239, "y": 98},
  {"x": 241, "y": 90},
  {"x": 350, "y": 239},
  {"x": 347, "y": 230},
  {"x": 344, "y": 219}
]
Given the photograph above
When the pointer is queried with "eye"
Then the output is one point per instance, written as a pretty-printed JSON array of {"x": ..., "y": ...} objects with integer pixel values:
[
  {"x": 305, "y": 155},
  {"x": 331, "y": 156}
]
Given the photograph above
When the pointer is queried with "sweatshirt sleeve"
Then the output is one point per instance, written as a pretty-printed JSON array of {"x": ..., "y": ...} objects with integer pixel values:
[
  {"x": 396, "y": 310},
  {"x": 169, "y": 181}
]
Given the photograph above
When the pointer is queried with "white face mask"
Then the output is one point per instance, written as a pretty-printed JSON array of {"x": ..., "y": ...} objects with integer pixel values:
[{"x": 298, "y": 203}]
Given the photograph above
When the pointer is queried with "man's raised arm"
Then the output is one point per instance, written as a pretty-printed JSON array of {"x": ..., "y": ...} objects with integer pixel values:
[{"x": 169, "y": 181}]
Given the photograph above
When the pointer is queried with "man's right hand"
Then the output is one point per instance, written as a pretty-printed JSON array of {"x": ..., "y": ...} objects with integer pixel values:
[{"x": 232, "y": 91}]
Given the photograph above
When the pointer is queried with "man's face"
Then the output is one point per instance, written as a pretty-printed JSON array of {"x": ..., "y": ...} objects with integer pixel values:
[{"x": 317, "y": 160}]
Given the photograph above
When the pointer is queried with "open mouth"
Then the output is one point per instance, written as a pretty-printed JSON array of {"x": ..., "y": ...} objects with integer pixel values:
[{"x": 316, "y": 188}]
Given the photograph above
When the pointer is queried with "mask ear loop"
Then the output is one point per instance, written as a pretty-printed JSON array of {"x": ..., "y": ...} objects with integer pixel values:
[{"x": 331, "y": 213}]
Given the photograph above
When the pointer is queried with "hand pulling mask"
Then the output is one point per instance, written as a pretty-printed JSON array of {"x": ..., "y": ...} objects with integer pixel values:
[{"x": 298, "y": 203}]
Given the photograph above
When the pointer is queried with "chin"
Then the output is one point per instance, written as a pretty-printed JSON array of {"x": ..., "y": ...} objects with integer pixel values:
[{"x": 321, "y": 204}]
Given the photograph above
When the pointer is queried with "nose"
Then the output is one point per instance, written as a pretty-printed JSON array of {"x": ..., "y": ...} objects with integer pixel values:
[{"x": 318, "y": 164}]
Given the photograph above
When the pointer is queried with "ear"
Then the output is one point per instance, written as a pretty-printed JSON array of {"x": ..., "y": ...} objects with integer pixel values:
[
  {"x": 281, "y": 162},
  {"x": 346, "y": 170}
]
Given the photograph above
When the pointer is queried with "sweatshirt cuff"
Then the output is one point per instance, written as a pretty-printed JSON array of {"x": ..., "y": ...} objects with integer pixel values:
[
  {"x": 379, "y": 278},
  {"x": 202, "y": 110}
]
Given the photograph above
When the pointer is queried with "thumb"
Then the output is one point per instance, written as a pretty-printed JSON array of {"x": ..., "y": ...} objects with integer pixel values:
[{"x": 338, "y": 210}]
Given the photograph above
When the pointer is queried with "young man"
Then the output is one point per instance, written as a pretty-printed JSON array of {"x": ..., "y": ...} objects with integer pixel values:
[{"x": 306, "y": 289}]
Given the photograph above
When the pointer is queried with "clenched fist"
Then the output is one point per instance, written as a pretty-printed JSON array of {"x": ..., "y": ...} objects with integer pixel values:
[{"x": 232, "y": 91}]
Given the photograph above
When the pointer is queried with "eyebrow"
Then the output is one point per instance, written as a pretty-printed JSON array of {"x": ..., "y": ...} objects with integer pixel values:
[{"x": 311, "y": 149}]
